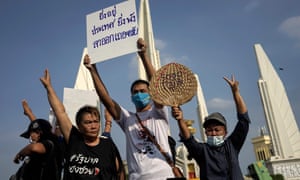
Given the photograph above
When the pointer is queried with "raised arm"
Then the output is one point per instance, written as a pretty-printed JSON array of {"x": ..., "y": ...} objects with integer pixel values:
[
  {"x": 57, "y": 107},
  {"x": 178, "y": 115},
  {"x": 113, "y": 108},
  {"x": 108, "y": 121},
  {"x": 27, "y": 111},
  {"x": 239, "y": 101},
  {"x": 141, "y": 45}
]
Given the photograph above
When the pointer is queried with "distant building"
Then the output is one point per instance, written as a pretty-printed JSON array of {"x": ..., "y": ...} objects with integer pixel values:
[
  {"x": 281, "y": 123},
  {"x": 146, "y": 32},
  {"x": 201, "y": 108},
  {"x": 262, "y": 146}
]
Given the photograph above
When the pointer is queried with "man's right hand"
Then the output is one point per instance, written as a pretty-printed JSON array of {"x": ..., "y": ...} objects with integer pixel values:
[
  {"x": 177, "y": 113},
  {"x": 46, "y": 81},
  {"x": 87, "y": 62}
]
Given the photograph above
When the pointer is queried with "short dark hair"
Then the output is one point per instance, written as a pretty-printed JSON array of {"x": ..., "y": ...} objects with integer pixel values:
[
  {"x": 139, "y": 81},
  {"x": 86, "y": 109}
]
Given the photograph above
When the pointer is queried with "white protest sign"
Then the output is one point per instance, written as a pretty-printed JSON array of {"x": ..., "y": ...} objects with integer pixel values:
[
  {"x": 74, "y": 99},
  {"x": 112, "y": 32}
]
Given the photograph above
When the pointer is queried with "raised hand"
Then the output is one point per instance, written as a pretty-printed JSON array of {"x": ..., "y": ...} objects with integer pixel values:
[
  {"x": 18, "y": 158},
  {"x": 234, "y": 84},
  {"x": 141, "y": 45},
  {"x": 46, "y": 81},
  {"x": 177, "y": 113},
  {"x": 238, "y": 99},
  {"x": 27, "y": 110},
  {"x": 87, "y": 62}
]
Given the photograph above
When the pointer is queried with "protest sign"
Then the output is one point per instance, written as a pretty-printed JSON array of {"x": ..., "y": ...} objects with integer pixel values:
[
  {"x": 83, "y": 98},
  {"x": 112, "y": 32}
]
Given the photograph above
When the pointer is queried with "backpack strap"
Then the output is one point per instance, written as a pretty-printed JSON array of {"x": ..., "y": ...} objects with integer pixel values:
[{"x": 176, "y": 171}]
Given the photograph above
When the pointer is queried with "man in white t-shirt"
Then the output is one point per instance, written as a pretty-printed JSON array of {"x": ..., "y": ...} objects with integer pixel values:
[{"x": 144, "y": 160}]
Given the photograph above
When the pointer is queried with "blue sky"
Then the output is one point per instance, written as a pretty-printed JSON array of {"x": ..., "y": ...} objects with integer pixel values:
[{"x": 213, "y": 38}]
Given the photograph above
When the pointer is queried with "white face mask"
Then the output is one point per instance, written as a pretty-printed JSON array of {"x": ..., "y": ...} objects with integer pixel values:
[{"x": 215, "y": 140}]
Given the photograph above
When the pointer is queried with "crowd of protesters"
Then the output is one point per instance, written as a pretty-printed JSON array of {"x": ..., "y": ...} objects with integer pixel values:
[{"x": 78, "y": 152}]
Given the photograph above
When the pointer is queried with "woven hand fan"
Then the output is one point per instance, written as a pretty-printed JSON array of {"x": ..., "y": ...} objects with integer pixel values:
[{"x": 173, "y": 85}]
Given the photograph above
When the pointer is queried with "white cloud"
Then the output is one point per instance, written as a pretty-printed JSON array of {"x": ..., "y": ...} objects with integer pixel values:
[
  {"x": 252, "y": 5},
  {"x": 220, "y": 104},
  {"x": 291, "y": 27},
  {"x": 168, "y": 58},
  {"x": 160, "y": 44}
]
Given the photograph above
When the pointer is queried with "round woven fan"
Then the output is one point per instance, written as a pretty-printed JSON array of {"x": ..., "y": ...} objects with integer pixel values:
[{"x": 173, "y": 85}]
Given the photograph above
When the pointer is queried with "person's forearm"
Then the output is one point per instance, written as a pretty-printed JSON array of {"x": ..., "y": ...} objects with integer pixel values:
[
  {"x": 107, "y": 127},
  {"x": 100, "y": 88},
  {"x": 32, "y": 148},
  {"x": 27, "y": 111},
  {"x": 239, "y": 101},
  {"x": 98, "y": 83},
  {"x": 58, "y": 108},
  {"x": 31, "y": 116},
  {"x": 184, "y": 131},
  {"x": 147, "y": 65},
  {"x": 103, "y": 94},
  {"x": 54, "y": 101},
  {"x": 25, "y": 151}
]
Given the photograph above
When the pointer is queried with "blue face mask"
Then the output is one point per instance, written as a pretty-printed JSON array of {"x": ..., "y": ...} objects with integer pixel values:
[
  {"x": 141, "y": 100},
  {"x": 215, "y": 140}
]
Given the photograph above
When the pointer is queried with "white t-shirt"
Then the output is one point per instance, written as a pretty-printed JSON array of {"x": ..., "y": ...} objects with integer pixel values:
[{"x": 144, "y": 160}]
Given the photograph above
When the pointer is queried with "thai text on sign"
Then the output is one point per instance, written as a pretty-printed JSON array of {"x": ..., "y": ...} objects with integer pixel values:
[{"x": 112, "y": 32}]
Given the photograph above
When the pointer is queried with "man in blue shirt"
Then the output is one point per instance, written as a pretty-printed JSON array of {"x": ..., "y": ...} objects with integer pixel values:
[{"x": 218, "y": 157}]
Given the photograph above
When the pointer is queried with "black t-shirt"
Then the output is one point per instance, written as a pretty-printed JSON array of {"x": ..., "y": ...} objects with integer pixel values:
[
  {"x": 44, "y": 166},
  {"x": 85, "y": 162}
]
